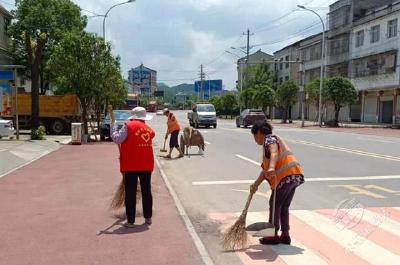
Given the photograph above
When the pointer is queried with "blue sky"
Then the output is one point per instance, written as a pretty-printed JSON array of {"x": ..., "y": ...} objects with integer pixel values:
[{"x": 175, "y": 36}]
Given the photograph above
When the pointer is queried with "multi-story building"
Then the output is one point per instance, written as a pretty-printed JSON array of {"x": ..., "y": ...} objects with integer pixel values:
[
  {"x": 144, "y": 80},
  {"x": 287, "y": 63},
  {"x": 374, "y": 68},
  {"x": 254, "y": 59},
  {"x": 310, "y": 50},
  {"x": 5, "y": 42}
]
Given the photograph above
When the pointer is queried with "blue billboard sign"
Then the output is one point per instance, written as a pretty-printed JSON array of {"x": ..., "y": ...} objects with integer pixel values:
[{"x": 208, "y": 85}]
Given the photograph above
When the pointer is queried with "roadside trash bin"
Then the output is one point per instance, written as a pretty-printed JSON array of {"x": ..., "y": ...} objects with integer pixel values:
[{"x": 76, "y": 133}]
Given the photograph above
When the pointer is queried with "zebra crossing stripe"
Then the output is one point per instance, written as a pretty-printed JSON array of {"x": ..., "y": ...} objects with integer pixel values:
[
  {"x": 287, "y": 253},
  {"x": 359, "y": 245}
]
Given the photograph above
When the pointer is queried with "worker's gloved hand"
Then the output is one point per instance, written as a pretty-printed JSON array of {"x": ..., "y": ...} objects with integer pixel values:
[{"x": 270, "y": 174}]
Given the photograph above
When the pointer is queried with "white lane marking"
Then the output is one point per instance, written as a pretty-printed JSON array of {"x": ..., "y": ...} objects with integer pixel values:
[
  {"x": 346, "y": 150},
  {"x": 189, "y": 225},
  {"x": 373, "y": 139},
  {"x": 207, "y": 143},
  {"x": 250, "y": 181},
  {"x": 248, "y": 160},
  {"x": 285, "y": 252},
  {"x": 350, "y": 240}
]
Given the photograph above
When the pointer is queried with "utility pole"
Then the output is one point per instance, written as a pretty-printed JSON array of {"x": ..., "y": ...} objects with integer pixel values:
[
  {"x": 202, "y": 81},
  {"x": 248, "y": 45}
]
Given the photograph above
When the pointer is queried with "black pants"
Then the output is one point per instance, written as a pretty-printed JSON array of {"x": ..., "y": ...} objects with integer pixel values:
[
  {"x": 173, "y": 140},
  {"x": 131, "y": 179},
  {"x": 284, "y": 197}
]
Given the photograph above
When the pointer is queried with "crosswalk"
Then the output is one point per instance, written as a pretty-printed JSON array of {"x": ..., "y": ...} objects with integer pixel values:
[{"x": 328, "y": 236}]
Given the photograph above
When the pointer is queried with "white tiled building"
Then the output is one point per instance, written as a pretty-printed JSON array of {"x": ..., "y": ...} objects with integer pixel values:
[{"x": 374, "y": 67}]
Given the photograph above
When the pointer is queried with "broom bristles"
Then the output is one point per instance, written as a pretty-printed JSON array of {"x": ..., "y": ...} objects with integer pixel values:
[
  {"x": 236, "y": 236},
  {"x": 118, "y": 200}
]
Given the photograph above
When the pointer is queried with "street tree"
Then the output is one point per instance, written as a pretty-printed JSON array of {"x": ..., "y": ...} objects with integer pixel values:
[
  {"x": 286, "y": 96},
  {"x": 217, "y": 102},
  {"x": 229, "y": 104},
  {"x": 341, "y": 92},
  {"x": 38, "y": 25},
  {"x": 264, "y": 97},
  {"x": 247, "y": 97},
  {"x": 77, "y": 61},
  {"x": 312, "y": 90}
]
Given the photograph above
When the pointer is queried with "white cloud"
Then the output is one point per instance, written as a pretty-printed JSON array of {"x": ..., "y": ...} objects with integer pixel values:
[{"x": 176, "y": 36}]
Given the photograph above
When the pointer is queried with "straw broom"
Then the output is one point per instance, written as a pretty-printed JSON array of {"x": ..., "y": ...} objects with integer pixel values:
[{"x": 236, "y": 237}]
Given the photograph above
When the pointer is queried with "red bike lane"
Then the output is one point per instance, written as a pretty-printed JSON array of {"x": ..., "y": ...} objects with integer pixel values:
[{"x": 56, "y": 211}]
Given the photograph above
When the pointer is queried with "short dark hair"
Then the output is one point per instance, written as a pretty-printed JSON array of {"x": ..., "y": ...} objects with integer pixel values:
[{"x": 262, "y": 126}]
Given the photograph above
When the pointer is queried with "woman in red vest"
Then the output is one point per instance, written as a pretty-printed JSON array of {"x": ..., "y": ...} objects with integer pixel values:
[
  {"x": 136, "y": 162},
  {"x": 284, "y": 174}
]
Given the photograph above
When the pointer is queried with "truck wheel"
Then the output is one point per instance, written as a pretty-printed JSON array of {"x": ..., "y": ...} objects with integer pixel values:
[
  {"x": 102, "y": 138},
  {"x": 58, "y": 127},
  {"x": 215, "y": 126}
]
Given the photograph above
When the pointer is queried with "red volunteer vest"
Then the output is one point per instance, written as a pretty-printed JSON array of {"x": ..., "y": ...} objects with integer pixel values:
[{"x": 137, "y": 150}]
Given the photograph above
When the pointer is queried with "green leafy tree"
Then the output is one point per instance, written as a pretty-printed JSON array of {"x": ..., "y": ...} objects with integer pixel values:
[
  {"x": 77, "y": 61},
  {"x": 286, "y": 96},
  {"x": 259, "y": 74},
  {"x": 217, "y": 102},
  {"x": 312, "y": 90},
  {"x": 247, "y": 97},
  {"x": 341, "y": 92},
  {"x": 38, "y": 26},
  {"x": 229, "y": 104},
  {"x": 264, "y": 97}
]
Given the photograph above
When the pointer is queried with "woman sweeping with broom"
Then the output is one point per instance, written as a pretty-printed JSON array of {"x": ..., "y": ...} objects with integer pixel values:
[
  {"x": 136, "y": 162},
  {"x": 284, "y": 175}
]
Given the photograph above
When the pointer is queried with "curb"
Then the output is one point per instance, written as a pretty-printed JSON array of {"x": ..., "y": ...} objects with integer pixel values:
[{"x": 189, "y": 225}]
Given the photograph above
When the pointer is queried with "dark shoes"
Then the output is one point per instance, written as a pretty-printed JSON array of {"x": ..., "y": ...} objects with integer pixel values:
[
  {"x": 286, "y": 240},
  {"x": 275, "y": 240},
  {"x": 270, "y": 240}
]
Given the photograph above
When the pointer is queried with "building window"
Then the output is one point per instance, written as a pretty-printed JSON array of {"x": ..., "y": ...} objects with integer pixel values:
[
  {"x": 281, "y": 80},
  {"x": 392, "y": 28},
  {"x": 286, "y": 78},
  {"x": 375, "y": 33},
  {"x": 287, "y": 64},
  {"x": 281, "y": 64},
  {"x": 359, "y": 38}
]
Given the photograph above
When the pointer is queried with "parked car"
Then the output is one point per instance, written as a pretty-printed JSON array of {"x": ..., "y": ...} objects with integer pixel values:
[
  {"x": 6, "y": 128},
  {"x": 121, "y": 116},
  {"x": 160, "y": 112},
  {"x": 203, "y": 115},
  {"x": 249, "y": 117}
]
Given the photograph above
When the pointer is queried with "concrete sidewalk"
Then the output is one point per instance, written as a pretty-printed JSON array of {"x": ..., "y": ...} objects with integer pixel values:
[
  {"x": 55, "y": 211},
  {"x": 359, "y": 128},
  {"x": 14, "y": 153}
]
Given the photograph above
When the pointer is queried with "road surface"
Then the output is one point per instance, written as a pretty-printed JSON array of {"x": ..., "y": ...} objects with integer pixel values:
[{"x": 345, "y": 172}]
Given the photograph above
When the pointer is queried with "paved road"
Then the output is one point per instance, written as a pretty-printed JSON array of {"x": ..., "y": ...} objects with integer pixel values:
[{"x": 356, "y": 172}]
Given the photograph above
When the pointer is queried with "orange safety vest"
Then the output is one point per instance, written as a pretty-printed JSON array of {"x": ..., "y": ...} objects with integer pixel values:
[
  {"x": 287, "y": 164},
  {"x": 173, "y": 124}
]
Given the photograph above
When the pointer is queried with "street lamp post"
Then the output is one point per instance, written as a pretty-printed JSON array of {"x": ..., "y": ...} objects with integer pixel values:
[
  {"x": 108, "y": 11},
  {"x": 322, "y": 63}
]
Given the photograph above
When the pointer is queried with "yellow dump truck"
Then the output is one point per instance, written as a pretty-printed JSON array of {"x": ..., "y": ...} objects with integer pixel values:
[{"x": 56, "y": 112}]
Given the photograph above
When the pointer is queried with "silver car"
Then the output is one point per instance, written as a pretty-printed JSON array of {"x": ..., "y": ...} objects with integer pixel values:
[
  {"x": 6, "y": 128},
  {"x": 121, "y": 116}
]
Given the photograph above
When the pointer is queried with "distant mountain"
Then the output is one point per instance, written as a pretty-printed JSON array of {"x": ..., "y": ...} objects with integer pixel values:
[{"x": 182, "y": 88}]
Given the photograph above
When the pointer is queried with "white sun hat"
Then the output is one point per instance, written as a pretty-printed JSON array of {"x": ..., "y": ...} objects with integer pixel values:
[{"x": 140, "y": 113}]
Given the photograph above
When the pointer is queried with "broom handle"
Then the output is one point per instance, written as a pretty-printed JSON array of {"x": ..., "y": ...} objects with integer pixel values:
[
  {"x": 273, "y": 204},
  {"x": 246, "y": 208}
]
